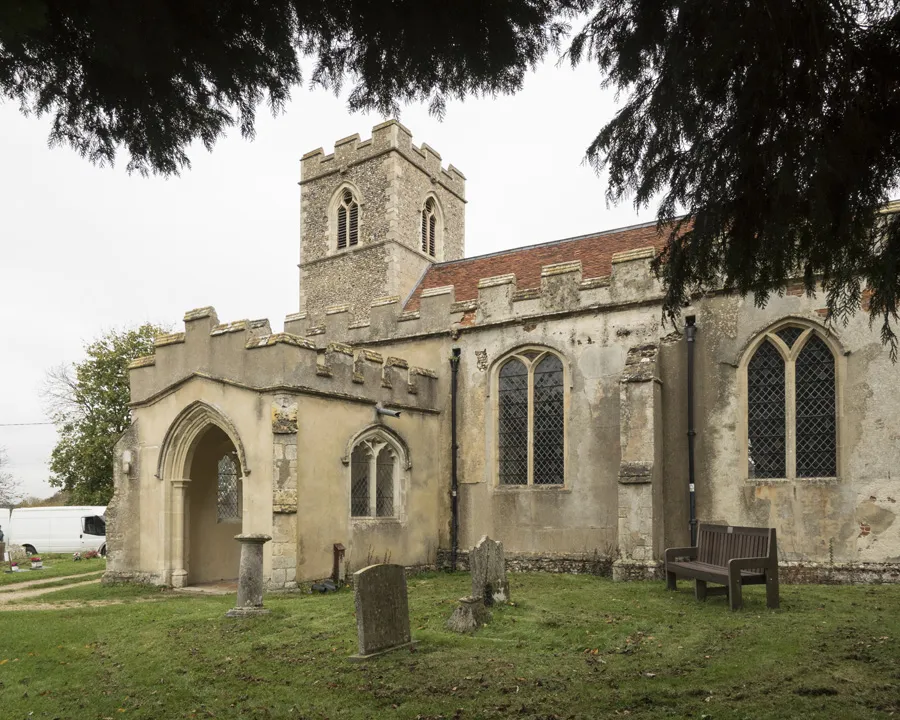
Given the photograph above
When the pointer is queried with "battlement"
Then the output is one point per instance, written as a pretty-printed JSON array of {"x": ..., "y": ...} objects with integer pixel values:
[
  {"x": 499, "y": 300},
  {"x": 247, "y": 353},
  {"x": 387, "y": 137}
]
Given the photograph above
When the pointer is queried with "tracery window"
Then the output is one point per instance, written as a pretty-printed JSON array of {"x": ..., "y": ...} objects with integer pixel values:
[
  {"x": 347, "y": 220},
  {"x": 429, "y": 227},
  {"x": 228, "y": 490},
  {"x": 374, "y": 474},
  {"x": 531, "y": 419},
  {"x": 791, "y": 406}
]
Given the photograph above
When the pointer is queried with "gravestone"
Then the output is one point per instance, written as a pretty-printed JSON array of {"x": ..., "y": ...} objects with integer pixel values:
[
  {"x": 250, "y": 578},
  {"x": 488, "y": 568},
  {"x": 469, "y": 615},
  {"x": 382, "y": 610}
]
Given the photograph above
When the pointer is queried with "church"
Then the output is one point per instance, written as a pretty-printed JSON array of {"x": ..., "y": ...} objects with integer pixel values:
[{"x": 420, "y": 399}]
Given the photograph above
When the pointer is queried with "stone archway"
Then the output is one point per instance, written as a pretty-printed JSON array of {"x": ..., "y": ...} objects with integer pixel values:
[
  {"x": 199, "y": 546},
  {"x": 213, "y": 509}
]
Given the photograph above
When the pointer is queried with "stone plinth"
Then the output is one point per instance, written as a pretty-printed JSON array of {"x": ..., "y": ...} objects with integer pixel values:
[
  {"x": 382, "y": 610},
  {"x": 488, "y": 567},
  {"x": 250, "y": 579},
  {"x": 469, "y": 615}
]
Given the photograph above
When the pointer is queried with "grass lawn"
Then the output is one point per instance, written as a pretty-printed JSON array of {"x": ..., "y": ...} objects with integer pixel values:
[
  {"x": 570, "y": 647},
  {"x": 54, "y": 566}
]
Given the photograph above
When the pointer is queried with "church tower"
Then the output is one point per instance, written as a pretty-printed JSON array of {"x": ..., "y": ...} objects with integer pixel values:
[{"x": 374, "y": 215}]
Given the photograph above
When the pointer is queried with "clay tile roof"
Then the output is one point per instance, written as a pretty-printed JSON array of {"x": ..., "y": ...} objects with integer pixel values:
[{"x": 595, "y": 252}]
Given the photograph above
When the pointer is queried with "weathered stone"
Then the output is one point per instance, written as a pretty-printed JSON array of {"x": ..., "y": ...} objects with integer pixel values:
[
  {"x": 469, "y": 615},
  {"x": 250, "y": 580},
  {"x": 382, "y": 610},
  {"x": 488, "y": 568}
]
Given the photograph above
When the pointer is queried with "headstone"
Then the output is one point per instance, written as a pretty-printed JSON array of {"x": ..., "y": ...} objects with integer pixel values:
[
  {"x": 469, "y": 615},
  {"x": 250, "y": 578},
  {"x": 488, "y": 568},
  {"x": 382, "y": 610}
]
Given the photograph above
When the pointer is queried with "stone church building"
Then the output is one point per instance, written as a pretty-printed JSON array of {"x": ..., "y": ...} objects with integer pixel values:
[{"x": 547, "y": 368}]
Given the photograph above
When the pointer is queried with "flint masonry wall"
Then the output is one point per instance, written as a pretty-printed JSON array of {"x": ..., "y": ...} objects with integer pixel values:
[{"x": 391, "y": 177}]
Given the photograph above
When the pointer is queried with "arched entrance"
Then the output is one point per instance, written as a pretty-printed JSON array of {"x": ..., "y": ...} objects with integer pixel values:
[
  {"x": 203, "y": 468},
  {"x": 213, "y": 508}
]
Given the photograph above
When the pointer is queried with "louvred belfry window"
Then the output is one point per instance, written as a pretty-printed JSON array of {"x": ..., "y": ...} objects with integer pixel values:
[
  {"x": 531, "y": 419},
  {"x": 792, "y": 407},
  {"x": 347, "y": 221},
  {"x": 429, "y": 227}
]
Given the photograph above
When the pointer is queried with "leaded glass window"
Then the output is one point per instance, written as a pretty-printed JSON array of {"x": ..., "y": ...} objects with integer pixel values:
[
  {"x": 548, "y": 421},
  {"x": 513, "y": 426},
  {"x": 347, "y": 221},
  {"x": 816, "y": 427},
  {"x": 359, "y": 481},
  {"x": 228, "y": 490},
  {"x": 531, "y": 419},
  {"x": 792, "y": 406},
  {"x": 766, "y": 413},
  {"x": 374, "y": 473}
]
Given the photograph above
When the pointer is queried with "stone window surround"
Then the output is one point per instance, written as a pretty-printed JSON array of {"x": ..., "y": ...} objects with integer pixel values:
[
  {"x": 494, "y": 402},
  {"x": 379, "y": 434},
  {"x": 789, "y": 356},
  {"x": 333, "y": 205},
  {"x": 439, "y": 227}
]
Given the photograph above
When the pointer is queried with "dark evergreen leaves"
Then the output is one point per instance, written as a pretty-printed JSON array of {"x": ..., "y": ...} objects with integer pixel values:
[
  {"x": 771, "y": 126},
  {"x": 152, "y": 76}
]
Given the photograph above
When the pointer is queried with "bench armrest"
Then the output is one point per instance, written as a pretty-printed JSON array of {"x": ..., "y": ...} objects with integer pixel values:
[
  {"x": 688, "y": 552},
  {"x": 749, "y": 563}
]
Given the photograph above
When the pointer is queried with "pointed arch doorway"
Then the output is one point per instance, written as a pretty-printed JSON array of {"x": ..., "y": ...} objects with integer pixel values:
[{"x": 203, "y": 467}]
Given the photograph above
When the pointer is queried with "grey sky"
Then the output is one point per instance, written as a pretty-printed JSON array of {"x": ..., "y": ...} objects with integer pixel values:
[{"x": 86, "y": 249}]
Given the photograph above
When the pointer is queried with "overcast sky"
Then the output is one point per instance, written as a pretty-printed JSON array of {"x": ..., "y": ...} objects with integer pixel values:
[{"x": 87, "y": 249}]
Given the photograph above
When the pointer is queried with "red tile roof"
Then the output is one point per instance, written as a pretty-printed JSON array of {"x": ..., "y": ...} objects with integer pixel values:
[{"x": 594, "y": 251}]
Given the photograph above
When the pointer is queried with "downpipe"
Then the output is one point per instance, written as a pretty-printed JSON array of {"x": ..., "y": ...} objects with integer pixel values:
[
  {"x": 454, "y": 448},
  {"x": 690, "y": 334}
]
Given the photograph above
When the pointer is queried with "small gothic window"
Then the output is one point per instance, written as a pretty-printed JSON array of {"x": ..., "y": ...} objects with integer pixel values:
[
  {"x": 347, "y": 221},
  {"x": 791, "y": 407},
  {"x": 373, "y": 479},
  {"x": 228, "y": 495},
  {"x": 531, "y": 420},
  {"x": 429, "y": 227}
]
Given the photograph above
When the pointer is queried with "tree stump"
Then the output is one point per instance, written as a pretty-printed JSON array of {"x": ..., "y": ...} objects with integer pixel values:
[{"x": 469, "y": 615}]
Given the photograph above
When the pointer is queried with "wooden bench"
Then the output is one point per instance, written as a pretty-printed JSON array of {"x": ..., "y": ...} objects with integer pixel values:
[{"x": 730, "y": 556}]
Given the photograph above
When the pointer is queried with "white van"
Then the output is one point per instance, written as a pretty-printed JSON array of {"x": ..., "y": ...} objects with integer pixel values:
[{"x": 58, "y": 529}]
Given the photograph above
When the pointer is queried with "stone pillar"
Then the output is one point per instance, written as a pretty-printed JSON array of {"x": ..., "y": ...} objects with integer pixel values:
[
  {"x": 250, "y": 578},
  {"x": 179, "y": 493},
  {"x": 640, "y": 511}
]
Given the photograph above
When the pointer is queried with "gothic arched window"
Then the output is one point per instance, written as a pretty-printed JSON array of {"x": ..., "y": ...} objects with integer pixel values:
[
  {"x": 429, "y": 227},
  {"x": 228, "y": 490},
  {"x": 347, "y": 220},
  {"x": 531, "y": 419},
  {"x": 791, "y": 406},
  {"x": 375, "y": 465}
]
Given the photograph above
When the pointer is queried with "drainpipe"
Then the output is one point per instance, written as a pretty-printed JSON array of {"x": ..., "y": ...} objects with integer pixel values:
[
  {"x": 454, "y": 484},
  {"x": 690, "y": 334}
]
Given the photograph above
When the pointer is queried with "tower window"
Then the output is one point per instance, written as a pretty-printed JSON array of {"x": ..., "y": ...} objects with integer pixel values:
[
  {"x": 429, "y": 227},
  {"x": 347, "y": 221}
]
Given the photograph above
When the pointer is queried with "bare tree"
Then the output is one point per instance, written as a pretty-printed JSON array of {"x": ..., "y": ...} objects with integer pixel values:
[{"x": 9, "y": 486}]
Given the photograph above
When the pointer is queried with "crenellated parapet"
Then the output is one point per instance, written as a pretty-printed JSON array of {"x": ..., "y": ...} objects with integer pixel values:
[
  {"x": 562, "y": 289},
  {"x": 248, "y": 354},
  {"x": 386, "y": 137}
]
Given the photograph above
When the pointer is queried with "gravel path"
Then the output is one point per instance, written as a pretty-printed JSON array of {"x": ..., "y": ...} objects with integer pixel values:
[
  {"x": 9, "y": 597},
  {"x": 15, "y": 587}
]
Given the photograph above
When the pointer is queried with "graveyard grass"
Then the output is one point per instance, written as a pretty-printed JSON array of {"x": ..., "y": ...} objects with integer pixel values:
[
  {"x": 570, "y": 647},
  {"x": 54, "y": 566}
]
